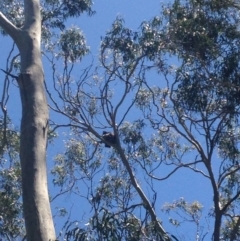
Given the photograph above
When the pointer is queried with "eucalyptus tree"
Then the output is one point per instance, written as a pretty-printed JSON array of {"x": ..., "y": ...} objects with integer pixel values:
[
  {"x": 205, "y": 97},
  {"x": 184, "y": 117},
  {"x": 23, "y": 22},
  {"x": 135, "y": 118},
  {"x": 30, "y": 24}
]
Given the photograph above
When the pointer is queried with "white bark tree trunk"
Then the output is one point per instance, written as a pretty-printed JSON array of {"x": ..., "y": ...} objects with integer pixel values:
[{"x": 34, "y": 124}]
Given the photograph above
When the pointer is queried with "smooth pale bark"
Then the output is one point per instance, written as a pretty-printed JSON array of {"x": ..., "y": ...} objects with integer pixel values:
[{"x": 34, "y": 124}]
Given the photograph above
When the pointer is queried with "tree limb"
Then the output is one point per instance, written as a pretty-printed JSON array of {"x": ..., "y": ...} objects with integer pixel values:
[
  {"x": 7, "y": 73},
  {"x": 147, "y": 204},
  {"x": 9, "y": 27}
]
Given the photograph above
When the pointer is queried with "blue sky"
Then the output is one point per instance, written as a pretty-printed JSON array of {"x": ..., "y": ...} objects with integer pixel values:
[
  {"x": 134, "y": 12},
  {"x": 184, "y": 183}
]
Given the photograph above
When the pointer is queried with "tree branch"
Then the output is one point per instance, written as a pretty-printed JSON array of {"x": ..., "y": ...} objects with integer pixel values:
[
  {"x": 147, "y": 204},
  {"x": 9, "y": 27}
]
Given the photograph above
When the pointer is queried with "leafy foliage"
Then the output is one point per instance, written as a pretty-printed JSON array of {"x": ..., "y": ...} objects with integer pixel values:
[
  {"x": 11, "y": 220},
  {"x": 199, "y": 99},
  {"x": 164, "y": 117},
  {"x": 73, "y": 44}
]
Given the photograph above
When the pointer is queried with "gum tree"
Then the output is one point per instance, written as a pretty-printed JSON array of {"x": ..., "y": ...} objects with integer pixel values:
[
  {"x": 30, "y": 24},
  {"x": 23, "y": 23},
  {"x": 136, "y": 119},
  {"x": 34, "y": 124},
  {"x": 185, "y": 117}
]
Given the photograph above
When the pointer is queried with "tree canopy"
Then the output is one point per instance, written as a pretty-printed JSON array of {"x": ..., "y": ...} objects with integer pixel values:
[{"x": 159, "y": 100}]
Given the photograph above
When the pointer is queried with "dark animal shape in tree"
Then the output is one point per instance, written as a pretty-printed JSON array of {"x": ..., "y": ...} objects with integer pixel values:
[{"x": 110, "y": 138}]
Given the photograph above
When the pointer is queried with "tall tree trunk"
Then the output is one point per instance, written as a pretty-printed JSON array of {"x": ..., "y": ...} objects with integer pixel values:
[{"x": 34, "y": 124}]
